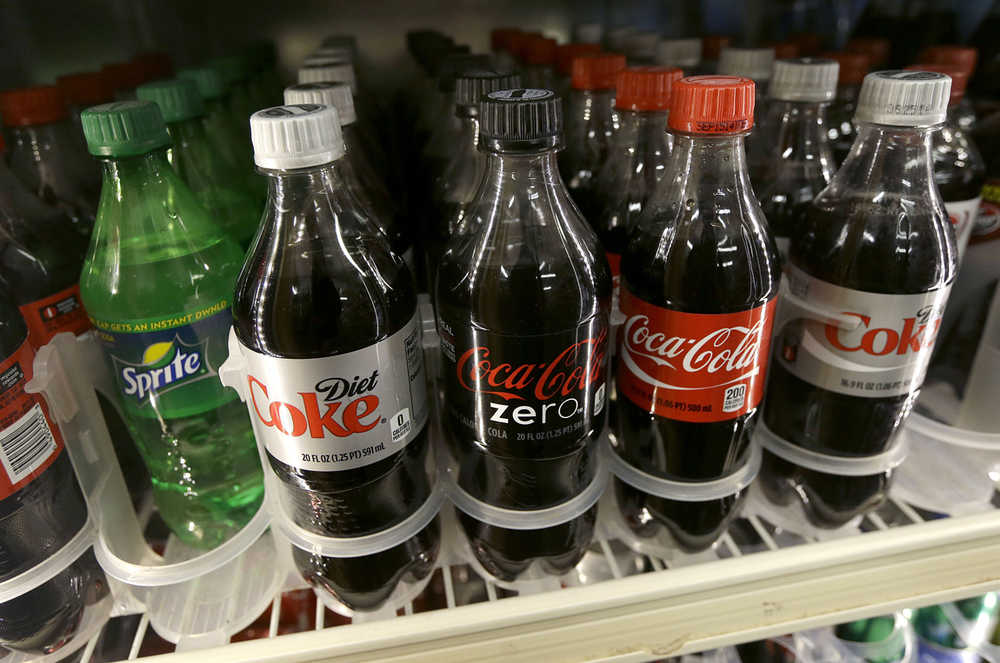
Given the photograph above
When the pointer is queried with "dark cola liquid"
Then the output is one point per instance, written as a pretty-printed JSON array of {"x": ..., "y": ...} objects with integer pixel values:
[
  {"x": 319, "y": 306},
  {"x": 869, "y": 256}
]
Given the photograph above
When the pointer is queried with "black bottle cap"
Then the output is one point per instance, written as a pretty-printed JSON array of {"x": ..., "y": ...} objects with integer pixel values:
[
  {"x": 457, "y": 64},
  {"x": 472, "y": 85},
  {"x": 521, "y": 114}
]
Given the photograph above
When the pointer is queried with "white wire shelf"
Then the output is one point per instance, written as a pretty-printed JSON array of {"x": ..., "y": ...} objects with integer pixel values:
[{"x": 763, "y": 583}]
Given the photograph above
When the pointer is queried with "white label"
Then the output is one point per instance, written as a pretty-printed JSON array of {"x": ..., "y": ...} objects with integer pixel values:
[
  {"x": 26, "y": 444},
  {"x": 886, "y": 354},
  {"x": 963, "y": 214},
  {"x": 344, "y": 411}
]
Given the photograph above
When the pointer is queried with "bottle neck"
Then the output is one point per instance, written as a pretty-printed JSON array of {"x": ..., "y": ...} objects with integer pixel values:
[
  {"x": 891, "y": 155},
  {"x": 523, "y": 170},
  {"x": 146, "y": 175},
  {"x": 642, "y": 129},
  {"x": 295, "y": 187},
  {"x": 848, "y": 93},
  {"x": 705, "y": 165},
  {"x": 801, "y": 134}
]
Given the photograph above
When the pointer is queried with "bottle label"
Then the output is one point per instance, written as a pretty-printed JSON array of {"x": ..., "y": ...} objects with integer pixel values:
[
  {"x": 29, "y": 442},
  {"x": 963, "y": 215},
  {"x": 60, "y": 312},
  {"x": 693, "y": 366},
  {"x": 168, "y": 367},
  {"x": 340, "y": 412},
  {"x": 885, "y": 355},
  {"x": 987, "y": 227},
  {"x": 503, "y": 389},
  {"x": 615, "y": 262}
]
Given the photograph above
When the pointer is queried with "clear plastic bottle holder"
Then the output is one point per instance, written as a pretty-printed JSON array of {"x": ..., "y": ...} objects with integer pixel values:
[
  {"x": 822, "y": 646},
  {"x": 173, "y": 586}
]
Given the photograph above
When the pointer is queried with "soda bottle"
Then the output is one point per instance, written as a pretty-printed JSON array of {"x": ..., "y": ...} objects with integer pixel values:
[
  {"x": 82, "y": 90},
  {"x": 235, "y": 74},
  {"x": 684, "y": 54},
  {"x": 157, "y": 283},
  {"x": 698, "y": 287},
  {"x": 840, "y": 115},
  {"x": 539, "y": 63},
  {"x": 711, "y": 49},
  {"x": 801, "y": 159},
  {"x": 45, "y": 152},
  {"x": 637, "y": 158},
  {"x": 960, "y": 58},
  {"x": 616, "y": 38},
  {"x": 359, "y": 177},
  {"x": 224, "y": 133},
  {"x": 757, "y": 64},
  {"x": 41, "y": 505},
  {"x": 502, "y": 46},
  {"x": 124, "y": 78},
  {"x": 959, "y": 169},
  {"x": 640, "y": 48},
  {"x": 217, "y": 184},
  {"x": 875, "y": 245},
  {"x": 458, "y": 183},
  {"x": 589, "y": 110},
  {"x": 522, "y": 302},
  {"x": 327, "y": 313},
  {"x": 565, "y": 54},
  {"x": 876, "y": 48},
  {"x": 875, "y": 630},
  {"x": 588, "y": 33},
  {"x": 939, "y": 639}
]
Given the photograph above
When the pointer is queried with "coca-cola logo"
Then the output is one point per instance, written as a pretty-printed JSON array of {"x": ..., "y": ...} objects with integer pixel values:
[
  {"x": 571, "y": 370},
  {"x": 347, "y": 407},
  {"x": 725, "y": 350},
  {"x": 912, "y": 334}
]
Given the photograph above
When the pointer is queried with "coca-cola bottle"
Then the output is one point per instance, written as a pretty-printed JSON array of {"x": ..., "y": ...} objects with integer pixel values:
[
  {"x": 877, "y": 49},
  {"x": 840, "y": 115},
  {"x": 757, "y": 64},
  {"x": 84, "y": 89},
  {"x": 699, "y": 281},
  {"x": 326, "y": 315},
  {"x": 565, "y": 54},
  {"x": 523, "y": 300},
  {"x": 801, "y": 162},
  {"x": 589, "y": 113},
  {"x": 637, "y": 158},
  {"x": 456, "y": 187},
  {"x": 711, "y": 49},
  {"x": 684, "y": 54},
  {"x": 877, "y": 252},
  {"x": 539, "y": 63}
]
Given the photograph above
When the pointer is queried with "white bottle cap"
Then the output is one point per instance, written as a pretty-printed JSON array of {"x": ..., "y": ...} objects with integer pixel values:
[
  {"x": 588, "y": 33},
  {"x": 290, "y": 137},
  {"x": 755, "y": 63},
  {"x": 683, "y": 53},
  {"x": 337, "y": 95},
  {"x": 342, "y": 53},
  {"x": 618, "y": 37},
  {"x": 904, "y": 98},
  {"x": 642, "y": 45},
  {"x": 804, "y": 79},
  {"x": 339, "y": 72}
]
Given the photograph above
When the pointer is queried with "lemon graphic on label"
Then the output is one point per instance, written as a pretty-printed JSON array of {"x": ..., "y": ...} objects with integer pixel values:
[{"x": 156, "y": 352}]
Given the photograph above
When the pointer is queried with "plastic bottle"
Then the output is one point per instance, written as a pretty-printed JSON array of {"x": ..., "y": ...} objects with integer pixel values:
[
  {"x": 640, "y": 48},
  {"x": 684, "y": 54},
  {"x": 802, "y": 162},
  {"x": 711, "y": 48},
  {"x": 757, "y": 64},
  {"x": 876, "y": 48},
  {"x": 124, "y": 78},
  {"x": 235, "y": 74},
  {"x": 522, "y": 302},
  {"x": 326, "y": 313},
  {"x": 565, "y": 54},
  {"x": 157, "y": 284},
  {"x": 223, "y": 131},
  {"x": 82, "y": 90},
  {"x": 455, "y": 189},
  {"x": 539, "y": 63},
  {"x": 359, "y": 176},
  {"x": 961, "y": 58},
  {"x": 698, "y": 291},
  {"x": 589, "y": 116},
  {"x": 876, "y": 246},
  {"x": 217, "y": 184},
  {"x": 840, "y": 114},
  {"x": 46, "y": 153},
  {"x": 502, "y": 46}
]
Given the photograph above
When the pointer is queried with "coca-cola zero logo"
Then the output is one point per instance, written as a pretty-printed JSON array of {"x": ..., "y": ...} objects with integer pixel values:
[{"x": 348, "y": 407}]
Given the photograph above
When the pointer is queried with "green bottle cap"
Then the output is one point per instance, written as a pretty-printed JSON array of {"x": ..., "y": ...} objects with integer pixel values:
[
  {"x": 177, "y": 98},
  {"x": 232, "y": 69},
  {"x": 206, "y": 79},
  {"x": 124, "y": 128}
]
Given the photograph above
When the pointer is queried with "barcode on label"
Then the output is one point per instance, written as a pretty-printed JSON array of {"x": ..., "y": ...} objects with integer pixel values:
[{"x": 26, "y": 444}]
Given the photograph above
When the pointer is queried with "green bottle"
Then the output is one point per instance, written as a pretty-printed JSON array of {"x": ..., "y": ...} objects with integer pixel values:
[
  {"x": 937, "y": 637},
  {"x": 216, "y": 183},
  {"x": 157, "y": 282},
  {"x": 877, "y": 630},
  {"x": 223, "y": 132},
  {"x": 236, "y": 72}
]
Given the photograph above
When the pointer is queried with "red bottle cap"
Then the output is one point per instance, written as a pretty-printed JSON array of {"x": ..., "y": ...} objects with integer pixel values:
[
  {"x": 712, "y": 105},
  {"x": 963, "y": 56},
  {"x": 784, "y": 50},
  {"x": 712, "y": 45},
  {"x": 540, "y": 51},
  {"x": 853, "y": 66},
  {"x": 500, "y": 38},
  {"x": 959, "y": 77},
  {"x": 123, "y": 75},
  {"x": 876, "y": 48},
  {"x": 566, "y": 52},
  {"x": 646, "y": 88},
  {"x": 154, "y": 66},
  {"x": 32, "y": 105},
  {"x": 519, "y": 43},
  {"x": 88, "y": 88},
  {"x": 596, "y": 72}
]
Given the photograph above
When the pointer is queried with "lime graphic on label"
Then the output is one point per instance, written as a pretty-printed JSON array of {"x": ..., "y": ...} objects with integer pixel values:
[{"x": 156, "y": 352}]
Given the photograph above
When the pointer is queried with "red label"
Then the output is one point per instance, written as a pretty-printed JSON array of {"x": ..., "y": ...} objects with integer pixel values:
[
  {"x": 29, "y": 442},
  {"x": 61, "y": 312},
  {"x": 693, "y": 366},
  {"x": 615, "y": 260}
]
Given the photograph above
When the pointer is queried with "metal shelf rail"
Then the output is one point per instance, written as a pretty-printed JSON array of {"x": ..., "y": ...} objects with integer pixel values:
[{"x": 765, "y": 583}]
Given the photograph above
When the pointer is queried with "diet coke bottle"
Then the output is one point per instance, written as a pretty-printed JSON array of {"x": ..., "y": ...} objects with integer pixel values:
[
  {"x": 699, "y": 280},
  {"x": 873, "y": 260}
]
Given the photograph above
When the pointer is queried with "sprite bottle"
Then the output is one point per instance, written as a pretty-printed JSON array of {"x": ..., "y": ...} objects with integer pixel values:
[
  {"x": 888, "y": 644},
  {"x": 950, "y": 632},
  {"x": 225, "y": 134},
  {"x": 217, "y": 184},
  {"x": 157, "y": 283}
]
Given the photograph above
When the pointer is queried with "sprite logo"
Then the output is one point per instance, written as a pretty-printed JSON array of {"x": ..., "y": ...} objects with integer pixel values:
[{"x": 165, "y": 366}]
